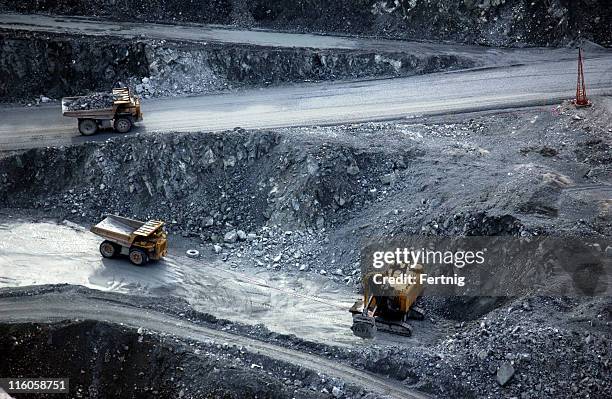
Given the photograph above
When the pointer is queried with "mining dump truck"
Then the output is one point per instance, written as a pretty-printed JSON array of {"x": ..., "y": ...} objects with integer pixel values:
[
  {"x": 140, "y": 241},
  {"x": 118, "y": 110}
]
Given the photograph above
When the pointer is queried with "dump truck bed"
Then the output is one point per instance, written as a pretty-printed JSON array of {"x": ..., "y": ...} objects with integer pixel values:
[
  {"x": 123, "y": 230},
  {"x": 97, "y": 113}
]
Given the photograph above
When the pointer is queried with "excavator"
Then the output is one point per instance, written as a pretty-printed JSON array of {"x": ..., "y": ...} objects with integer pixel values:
[{"x": 387, "y": 308}]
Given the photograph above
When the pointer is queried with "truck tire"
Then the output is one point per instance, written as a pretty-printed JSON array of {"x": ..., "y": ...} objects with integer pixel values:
[
  {"x": 109, "y": 249},
  {"x": 138, "y": 257},
  {"x": 88, "y": 127},
  {"x": 123, "y": 125}
]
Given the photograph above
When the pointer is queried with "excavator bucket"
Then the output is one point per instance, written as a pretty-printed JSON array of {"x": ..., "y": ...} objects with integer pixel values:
[{"x": 364, "y": 326}]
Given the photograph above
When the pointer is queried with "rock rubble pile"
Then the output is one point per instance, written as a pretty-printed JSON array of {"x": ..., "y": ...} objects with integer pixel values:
[{"x": 90, "y": 101}]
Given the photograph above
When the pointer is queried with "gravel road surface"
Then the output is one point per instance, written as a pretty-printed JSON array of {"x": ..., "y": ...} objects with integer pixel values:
[
  {"x": 327, "y": 103},
  {"x": 54, "y": 308}
]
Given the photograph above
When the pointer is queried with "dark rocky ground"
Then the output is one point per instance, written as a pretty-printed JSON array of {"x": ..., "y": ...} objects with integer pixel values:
[
  {"x": 536, "y": 347},
  {"x": 488, "y": 22},
  {"x": 106, "y": 360},
  {"x": 546, "y": 169},
  {"x": 300, "y": 200},
  {"x": 52, "y": 66}
]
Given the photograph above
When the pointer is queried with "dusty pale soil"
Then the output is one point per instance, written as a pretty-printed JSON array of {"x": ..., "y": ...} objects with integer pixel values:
[
  {"x": 312, "y": 307},
  {"x": 305, "y": 198}
]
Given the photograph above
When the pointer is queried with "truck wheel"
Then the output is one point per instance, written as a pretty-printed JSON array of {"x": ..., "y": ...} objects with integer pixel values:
[
  {"x": 87, "y": 127},
  {"x": 138, "y": 257},
  {"x": 123, "y": 125},
  {"x": 108, "y": 249}
]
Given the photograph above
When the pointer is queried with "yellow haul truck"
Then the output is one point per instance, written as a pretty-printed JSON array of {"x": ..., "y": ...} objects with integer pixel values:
[
  {"x": 120, "y": 113},
  {"x": 141, "y": 241}
]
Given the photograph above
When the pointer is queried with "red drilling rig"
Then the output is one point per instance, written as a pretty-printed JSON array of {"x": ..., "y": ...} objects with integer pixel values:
[{"x": 581, "y": 96}]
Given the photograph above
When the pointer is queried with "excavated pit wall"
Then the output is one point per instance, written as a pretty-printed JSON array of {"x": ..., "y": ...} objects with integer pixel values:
[
  {"x": 204, "y": 11},
  {"x": 199, "y": 182},
  {"x": 56, "y": 66},
  {"x": 105, "y": 360},
  {"x": 488, "y": 22}
]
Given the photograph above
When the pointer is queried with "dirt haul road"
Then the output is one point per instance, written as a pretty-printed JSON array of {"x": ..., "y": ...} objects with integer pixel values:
[
  {"x": 328, "y": 103},
  {"x": 56, "y": 308},
  {"x": 316, "y": 310},
  {"x": 485, "y": 56},
  {"x": 313, "y": 308}
]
